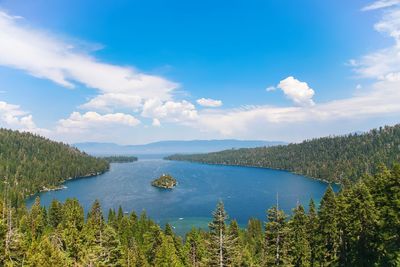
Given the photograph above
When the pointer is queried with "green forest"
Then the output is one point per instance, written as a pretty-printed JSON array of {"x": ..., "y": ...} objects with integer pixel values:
[
  {"x": 359, "y": 226},
  {"x": 334, "y": 158},
  {"x": 30, "y": 163}
]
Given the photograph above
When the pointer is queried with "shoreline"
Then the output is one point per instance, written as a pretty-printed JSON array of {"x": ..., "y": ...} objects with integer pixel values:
[{"x": 61, "y": 185}]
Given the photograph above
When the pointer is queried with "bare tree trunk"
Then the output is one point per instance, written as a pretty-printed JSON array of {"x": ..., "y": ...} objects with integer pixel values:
[
  {"x": 277, "y": 251},
  {"x": 221, "y": 261}
]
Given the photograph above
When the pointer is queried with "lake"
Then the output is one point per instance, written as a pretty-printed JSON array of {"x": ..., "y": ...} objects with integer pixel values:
[{"x": 247, "y": 192}]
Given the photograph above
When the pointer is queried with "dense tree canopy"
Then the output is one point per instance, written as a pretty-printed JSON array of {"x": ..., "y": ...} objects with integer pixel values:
[
  {"x": 358, "y": 226},
  {"x": 30, "y": 163},
  {"x": 334, "y": 159}
]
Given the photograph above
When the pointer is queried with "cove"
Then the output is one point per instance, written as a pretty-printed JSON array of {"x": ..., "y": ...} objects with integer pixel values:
[{"x": 247, "y": 192}]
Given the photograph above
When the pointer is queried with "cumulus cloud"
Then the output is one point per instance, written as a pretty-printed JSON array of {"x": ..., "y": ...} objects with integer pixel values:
[
  {"x": 12, "y": 116},
  {"x": 45, "y": 56},
  {"x": 208, "y": 102},
  {"x": 172, "y": 111},
  {"x": 78, "y": 122},
  {"x": 299, "y": 92}
]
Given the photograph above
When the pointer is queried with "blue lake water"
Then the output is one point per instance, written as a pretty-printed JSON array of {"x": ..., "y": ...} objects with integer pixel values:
[{"x": 246, "y": 192}]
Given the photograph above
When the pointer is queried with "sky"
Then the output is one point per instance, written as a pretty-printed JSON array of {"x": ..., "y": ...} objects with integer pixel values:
[{"x": 134, "y": 72}]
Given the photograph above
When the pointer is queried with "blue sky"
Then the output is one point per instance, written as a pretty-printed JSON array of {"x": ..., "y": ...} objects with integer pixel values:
[{"x": 141, "y": 71}]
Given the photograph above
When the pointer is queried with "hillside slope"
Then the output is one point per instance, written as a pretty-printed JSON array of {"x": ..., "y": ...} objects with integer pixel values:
[
  {"x": 30, "y": 163},
  {"x": 330, "y": 158}
]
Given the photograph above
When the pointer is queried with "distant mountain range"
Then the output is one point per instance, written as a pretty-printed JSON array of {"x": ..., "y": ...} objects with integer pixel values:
[{"x": 171, "y": 147}]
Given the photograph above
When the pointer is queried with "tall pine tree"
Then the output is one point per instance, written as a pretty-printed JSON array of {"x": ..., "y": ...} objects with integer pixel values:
[
  {"x": 221, "y": 242},
  {"x": 276, "y": 232},
  {"x": 327, "y": 229}
]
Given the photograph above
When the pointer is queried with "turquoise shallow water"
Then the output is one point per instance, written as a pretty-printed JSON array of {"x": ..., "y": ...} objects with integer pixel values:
[{"x": 246, "y": 192}]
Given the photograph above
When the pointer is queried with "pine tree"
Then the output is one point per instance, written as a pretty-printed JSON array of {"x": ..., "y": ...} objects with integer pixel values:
[
  {"x": 15, "y": 248},
  {"x": 312, "y": 228},
  {"x": 125, "y": 232},
  {"x": 299, "y": 245},
  {"x": 221, "y": 242},
  {"x": 133, "y": 257},
  {"x": 195, "y": 249},
  {"x": 73, "y": 214},
  {"x": 343, "y": 226},
  {"x": 45, "y": 253},
  {"x": 37, "y": 221},
  {"x": 153, "y": 239},
  {"x": 363, "y": 227},
  {"x": 254, "y": 237},
  {"x": 72, "y": 224},
  {"x": 327, "y": 229},
  {"x": 168, "y": 230},
  {"x": 275, "y": 252},
  {"x": 120, "y": 214},
  {"x": 234, "y": 231},
  {"x": 55, "y": 213},
  {"x": 111, "y": 218},
  {"x": 385, "y": 190},
  {"x": 110, "y": 254},
  {"x": 177, "y": 241},
  {"x": 166, "y": 255},
  {"x": 95, "y": 223},
  {"x": 92, "y": 235}
]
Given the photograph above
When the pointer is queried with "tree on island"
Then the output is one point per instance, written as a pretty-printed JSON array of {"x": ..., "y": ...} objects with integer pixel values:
[{"x": 165, "y": 181}]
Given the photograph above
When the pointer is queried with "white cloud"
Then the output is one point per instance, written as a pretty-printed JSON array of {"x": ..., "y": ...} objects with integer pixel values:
[
  {"x": 13, "y": 116},
  {"x": 109, "y": 101},
  {"x": 385, "y": 63},
  {"x": 90, "y": 121},
  {"x": 208, "y": 102},
  {"x": 270, "y": 88},
  {"x": 381, "y": 100},
  {"x": 381, "y": 4},
  {"x": 45, "y": 56},
  {"x": 299, "y": 92},
  {"x": 156, "y": 123},
  {"x": 171, "y": 111},
  {"x": 358, "y": 86}
]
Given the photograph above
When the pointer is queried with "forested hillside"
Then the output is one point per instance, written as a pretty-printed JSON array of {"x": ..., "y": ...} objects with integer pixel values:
[
  {"x": 30, "y": 163},
  {"x": 359, "y": 226},
  {"x": 333, "y": 158}
]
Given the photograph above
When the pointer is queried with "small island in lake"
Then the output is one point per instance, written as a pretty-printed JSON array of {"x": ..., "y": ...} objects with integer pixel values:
[{"x": 165, "y": 181}]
